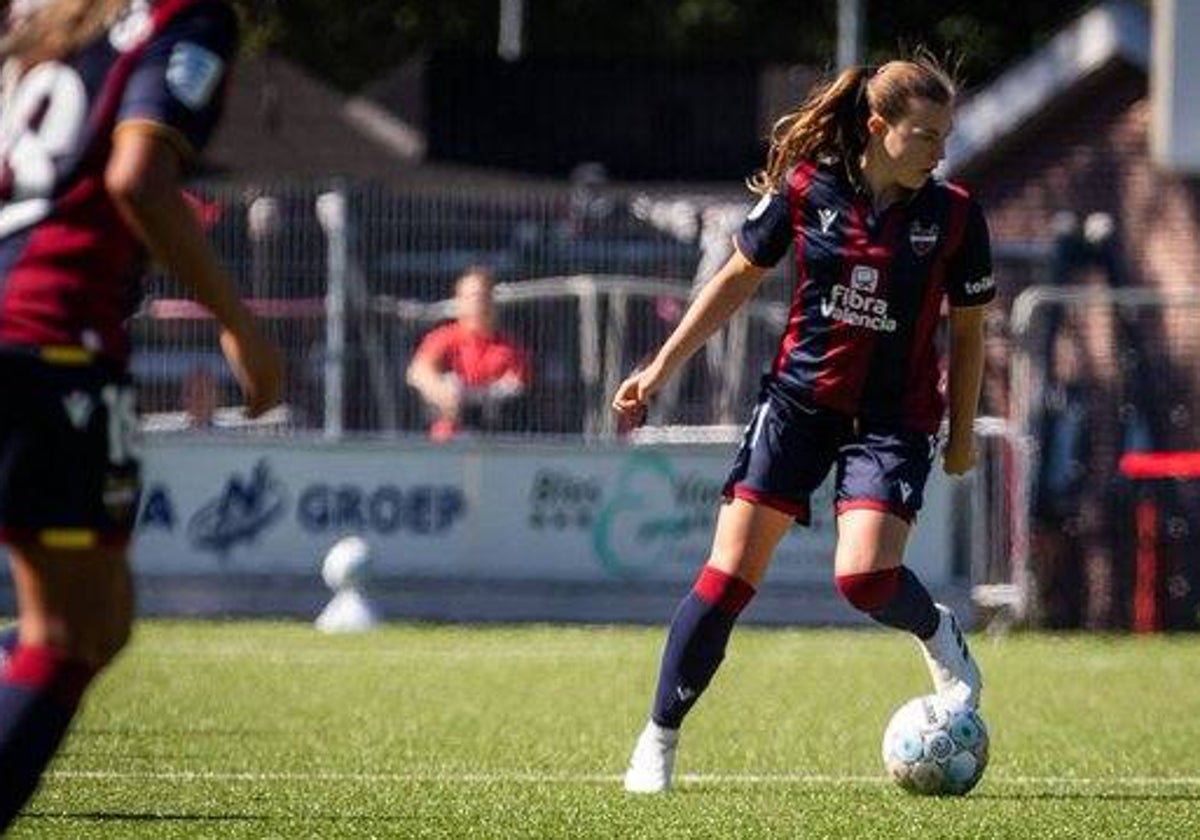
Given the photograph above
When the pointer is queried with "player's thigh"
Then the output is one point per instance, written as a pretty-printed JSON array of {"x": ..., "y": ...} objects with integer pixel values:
[
  {"x": 746, "y": 537},
  {"x": 869, "y": 541},
  {"x": 881, "y": 480},
  {"x": 68, "y": 495},
  {"x": 80, "y": 602}
]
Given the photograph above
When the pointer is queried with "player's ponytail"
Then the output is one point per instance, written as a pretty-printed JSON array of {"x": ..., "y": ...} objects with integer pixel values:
[
  {"x": 832, "y": 121},
  {"x": 46, "y": 31}
]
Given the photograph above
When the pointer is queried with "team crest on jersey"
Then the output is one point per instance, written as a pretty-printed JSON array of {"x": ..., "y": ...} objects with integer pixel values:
[
  {"x": 132, "y": 27},
  {"x": 923, "y": 237}
]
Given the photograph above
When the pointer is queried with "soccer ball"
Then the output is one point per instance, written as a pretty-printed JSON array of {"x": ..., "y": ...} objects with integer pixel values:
[{"x": 934, "y": 748}]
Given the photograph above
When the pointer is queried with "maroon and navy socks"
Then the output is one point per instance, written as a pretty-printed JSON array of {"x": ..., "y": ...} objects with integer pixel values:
[
  {"x": 696, "y": 643},
  {"x": 705, "y": 619},
  {"x": 39, "y": 692},
  {"x": 894, "y": 597}
]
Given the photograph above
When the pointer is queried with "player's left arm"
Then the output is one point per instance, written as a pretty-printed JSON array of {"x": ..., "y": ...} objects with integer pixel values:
[
  {"x": 965, "y": 381},
  {"x": 970, "y": 289},
  {"x": 169, "y": 108}
]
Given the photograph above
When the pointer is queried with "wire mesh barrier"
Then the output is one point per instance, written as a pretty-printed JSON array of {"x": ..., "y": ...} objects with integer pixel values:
[
  {"x": 348, "y": 280},
  {"x": 1098, "y": 373}
]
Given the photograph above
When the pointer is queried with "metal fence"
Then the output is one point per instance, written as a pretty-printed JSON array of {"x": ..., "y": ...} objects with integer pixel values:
[
  {"x": 348, "y": 279},
  {"x": 1098, "y": 373}
]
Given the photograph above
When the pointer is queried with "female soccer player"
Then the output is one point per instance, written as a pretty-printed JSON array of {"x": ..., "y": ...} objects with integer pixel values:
[
  {"x": 104, "y": 101},
  {"x": 878, "y": 244}
]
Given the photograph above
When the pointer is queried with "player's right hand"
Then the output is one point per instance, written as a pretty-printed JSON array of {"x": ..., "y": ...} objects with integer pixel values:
[
  {"x": 633, "y": 397},
  {"x": 257, "y": 365}
]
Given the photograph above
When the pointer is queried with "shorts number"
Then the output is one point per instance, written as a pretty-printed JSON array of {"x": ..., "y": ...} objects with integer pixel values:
[
  {"x": 41, "y": 124},
  {"x": 120, "y": 403}
]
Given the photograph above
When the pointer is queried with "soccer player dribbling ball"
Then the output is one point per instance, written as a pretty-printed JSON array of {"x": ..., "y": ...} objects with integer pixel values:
[
  {"x": 104, "y": 101},
  {"x": 879, "y": 244}
]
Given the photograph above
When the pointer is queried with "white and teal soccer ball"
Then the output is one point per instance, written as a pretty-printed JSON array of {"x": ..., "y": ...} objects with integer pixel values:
[{"x": 933, "y": 748}]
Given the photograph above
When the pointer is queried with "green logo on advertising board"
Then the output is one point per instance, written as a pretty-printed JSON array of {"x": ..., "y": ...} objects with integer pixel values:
[{"x": 654, "y": 517}]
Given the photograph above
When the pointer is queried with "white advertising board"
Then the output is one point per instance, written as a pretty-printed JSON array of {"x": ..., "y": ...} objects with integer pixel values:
[{"x": 486, "y": 512}]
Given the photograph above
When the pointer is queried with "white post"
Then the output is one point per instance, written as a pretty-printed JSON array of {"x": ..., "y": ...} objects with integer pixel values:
[
  {"x": 511, "y": 44},
  {"x": 1175, "y": 108},
  {"x": 851, "y": 30},
  {"x": 331, "y": 213}
]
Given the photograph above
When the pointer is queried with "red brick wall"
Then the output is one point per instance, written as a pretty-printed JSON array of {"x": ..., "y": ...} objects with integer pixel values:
[{"x": 1091, "y": 153}]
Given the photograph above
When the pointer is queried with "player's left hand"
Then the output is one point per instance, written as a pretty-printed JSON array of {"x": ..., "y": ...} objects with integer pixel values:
[
  {"x": 257, "y": 365},
  {"x": 958, "y": 457}
]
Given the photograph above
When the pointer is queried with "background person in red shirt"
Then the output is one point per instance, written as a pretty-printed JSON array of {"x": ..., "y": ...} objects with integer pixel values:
[{"x": 465, "y": 370}]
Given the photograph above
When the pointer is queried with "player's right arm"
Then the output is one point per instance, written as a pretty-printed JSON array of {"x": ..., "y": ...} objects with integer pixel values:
[
  {"x": 143, "y": 178},
  {"x": 762, "y": 241},
  {"x": 733, "y": 285}
]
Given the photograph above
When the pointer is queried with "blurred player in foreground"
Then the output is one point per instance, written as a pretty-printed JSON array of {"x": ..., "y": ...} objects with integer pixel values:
[
  {"x": 104, "y": 102},
  {"x": 879, "y": 244}
]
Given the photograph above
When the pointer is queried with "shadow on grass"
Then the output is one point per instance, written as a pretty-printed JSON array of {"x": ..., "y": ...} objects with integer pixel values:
[
  {"x": 1082, "y": 795},
  {"x": 118, "y": 816}
]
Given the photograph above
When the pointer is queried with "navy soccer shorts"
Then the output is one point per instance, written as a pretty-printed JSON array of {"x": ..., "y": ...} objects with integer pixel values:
[
  {"x": 789, "y": 448},
  {"x": 69, "y": 474}
]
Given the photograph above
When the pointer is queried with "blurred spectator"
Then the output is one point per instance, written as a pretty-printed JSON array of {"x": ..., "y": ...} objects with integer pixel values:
[
  {"x": 1062, "y": 484},
  {"x": 465, "y": 371},
  {"x": 199, "y": 394}
]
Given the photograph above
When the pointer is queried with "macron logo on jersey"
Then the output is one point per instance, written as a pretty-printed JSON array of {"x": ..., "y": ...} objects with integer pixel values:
[
  {"x": 193, "y": 73},
  {"x": 827, "y": 217},
  {"x": 78, "y": 407}
]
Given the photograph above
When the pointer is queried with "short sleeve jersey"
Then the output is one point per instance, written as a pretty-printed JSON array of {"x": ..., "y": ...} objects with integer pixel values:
[
  {"x": 477, "y": 360},
  {"x": 70, "y": 267},
  {"x": 860, "y": 336}
]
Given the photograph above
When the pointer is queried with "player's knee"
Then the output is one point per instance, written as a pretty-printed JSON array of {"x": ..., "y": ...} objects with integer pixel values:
[{"x": 869, "y": 591}]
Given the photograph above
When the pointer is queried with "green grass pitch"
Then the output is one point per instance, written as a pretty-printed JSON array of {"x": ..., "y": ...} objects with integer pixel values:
[{"x": 271, "y": 730}]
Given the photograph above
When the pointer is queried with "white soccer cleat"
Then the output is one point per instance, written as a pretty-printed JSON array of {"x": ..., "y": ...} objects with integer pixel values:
[
  {"x": 653, "y": 760},
  {"x": 956, "y": 677}
]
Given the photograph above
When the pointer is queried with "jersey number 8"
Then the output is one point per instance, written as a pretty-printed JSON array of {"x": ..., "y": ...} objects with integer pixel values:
[{"x": 39, "y": 126}]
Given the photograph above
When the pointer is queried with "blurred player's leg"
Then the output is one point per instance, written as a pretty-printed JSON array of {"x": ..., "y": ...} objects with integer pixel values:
[
  {"x": 76, "y": 608},
  {"x": 746, "y": 536}
]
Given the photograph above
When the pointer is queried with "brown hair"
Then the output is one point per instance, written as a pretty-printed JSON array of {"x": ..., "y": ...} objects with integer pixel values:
[
  {"x": 58, "y": 28},
  {"x": 832, "y": 121}
]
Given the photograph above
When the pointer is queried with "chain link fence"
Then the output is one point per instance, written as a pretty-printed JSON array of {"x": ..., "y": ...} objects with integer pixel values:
[{"x": 349, "y": 278}]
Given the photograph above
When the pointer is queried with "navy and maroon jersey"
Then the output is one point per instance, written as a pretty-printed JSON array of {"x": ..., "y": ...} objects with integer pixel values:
[
  {"x": 860, "y": 336},
  {"x": 70, "y": 268}
]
